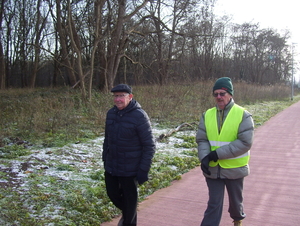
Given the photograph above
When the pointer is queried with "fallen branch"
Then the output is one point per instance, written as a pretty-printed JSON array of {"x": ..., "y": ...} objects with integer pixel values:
[{"x": 164, "y": 135}]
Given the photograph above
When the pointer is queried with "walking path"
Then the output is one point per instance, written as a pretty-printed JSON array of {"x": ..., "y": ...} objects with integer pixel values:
[{"x": 270, "y": 191}]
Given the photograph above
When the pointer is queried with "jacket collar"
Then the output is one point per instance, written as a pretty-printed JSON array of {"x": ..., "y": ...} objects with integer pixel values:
[{"x": 133, "y": 104}]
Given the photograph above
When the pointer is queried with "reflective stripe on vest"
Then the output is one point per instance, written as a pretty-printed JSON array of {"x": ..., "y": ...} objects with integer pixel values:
[{"x": 228, "y": 134}]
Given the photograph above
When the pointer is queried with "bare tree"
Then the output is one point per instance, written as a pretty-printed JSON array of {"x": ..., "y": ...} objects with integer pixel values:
[
  {"x": 39, "y": 26},
  {"x": 99, "y": 4},
  {"x": 96, "y": 43},
  {"x": 2, "y": 57},
  {"x": 76, "y": 45},
  {"x": 152, "y": 45},
  {"x": 118, "y": 40},
  {"x": 62, "y": 29},
  {"x": 8, "y": 15},
  {"x": 110, "y": 37},
  {"x": 260, "y": 55}
]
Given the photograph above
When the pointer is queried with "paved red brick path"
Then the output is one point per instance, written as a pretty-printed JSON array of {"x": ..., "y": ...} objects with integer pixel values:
[{"x": 271, "y": 192}]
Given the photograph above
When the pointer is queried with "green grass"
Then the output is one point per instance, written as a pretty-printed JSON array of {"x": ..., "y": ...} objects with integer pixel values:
[
  {"x": 13, "y": 151},
  {"x": 261, "y": 112},
  {"x": 81, "y": 199},
  {"x": 63, "y": 182}
]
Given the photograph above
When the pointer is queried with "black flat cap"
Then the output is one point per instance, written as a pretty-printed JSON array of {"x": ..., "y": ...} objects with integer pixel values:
[{"x": 122, "y": 88}]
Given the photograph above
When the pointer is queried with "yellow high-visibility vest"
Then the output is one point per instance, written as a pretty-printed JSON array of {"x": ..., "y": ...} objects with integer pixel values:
[{"x": 227, "y": 134}]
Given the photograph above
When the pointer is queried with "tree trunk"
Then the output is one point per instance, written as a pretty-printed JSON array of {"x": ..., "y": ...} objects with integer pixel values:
[
  {"x": 2, "y": 68},
  {"x": 2, "y": 58},
  {"x": 64, "y": 48}
]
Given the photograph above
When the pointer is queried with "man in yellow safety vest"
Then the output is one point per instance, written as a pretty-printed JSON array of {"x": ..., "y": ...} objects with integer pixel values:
[{"x": 224, "y": 139}]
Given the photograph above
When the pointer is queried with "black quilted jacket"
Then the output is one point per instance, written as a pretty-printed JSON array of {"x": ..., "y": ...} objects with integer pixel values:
[{"x": 129, "y": 145}]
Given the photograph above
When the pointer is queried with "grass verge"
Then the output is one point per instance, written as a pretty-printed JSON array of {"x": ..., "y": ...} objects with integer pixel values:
[{"x": 50, "y": 162}]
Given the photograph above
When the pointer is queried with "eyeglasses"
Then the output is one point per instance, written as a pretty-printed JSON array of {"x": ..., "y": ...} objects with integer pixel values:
[
  {"x": 221, "y": 94},
  {"x": 121, "y": 96}
]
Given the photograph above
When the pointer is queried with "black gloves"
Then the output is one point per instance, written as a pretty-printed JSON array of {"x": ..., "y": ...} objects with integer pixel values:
[
  {"x": 142, "y": 176},
  {"x": 205, "y": 165},
  {"x": 212, "y": 156}
]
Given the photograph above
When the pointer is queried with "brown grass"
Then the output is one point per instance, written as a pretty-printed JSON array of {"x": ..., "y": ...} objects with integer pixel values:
[{"x": 56, "y": 116}]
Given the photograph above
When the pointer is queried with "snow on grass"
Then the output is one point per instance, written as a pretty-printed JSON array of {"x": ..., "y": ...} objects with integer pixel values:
[
  {"x": 76, "y": 161},
  {"x": 44, "y": 178}
]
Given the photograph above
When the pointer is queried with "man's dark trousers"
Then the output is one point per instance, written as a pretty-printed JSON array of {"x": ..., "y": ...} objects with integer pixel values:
[{"x": 122, "y": 191}]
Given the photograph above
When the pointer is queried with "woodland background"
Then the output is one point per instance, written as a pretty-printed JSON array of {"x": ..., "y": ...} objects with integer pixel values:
[
  {"x": 94, "y": 44},
  {"x": 57, "y": 54}
]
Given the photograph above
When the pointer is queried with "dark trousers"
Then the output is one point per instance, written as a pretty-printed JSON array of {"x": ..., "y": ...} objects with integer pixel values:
[
  {"x": 216, "y": 188},
  {"x": 122, "y": 191}
]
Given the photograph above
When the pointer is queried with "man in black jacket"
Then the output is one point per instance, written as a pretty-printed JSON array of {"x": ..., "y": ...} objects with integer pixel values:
[{"x": 128, "y": 150}]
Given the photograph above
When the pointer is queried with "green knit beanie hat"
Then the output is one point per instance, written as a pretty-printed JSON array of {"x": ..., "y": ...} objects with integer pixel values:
[{"x": 225, "y": 84}]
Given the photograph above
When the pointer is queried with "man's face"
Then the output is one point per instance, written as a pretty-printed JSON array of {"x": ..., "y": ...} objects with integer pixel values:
[
  {"x": 222, "y": 98},
  {"x": 122, "y": 99}
]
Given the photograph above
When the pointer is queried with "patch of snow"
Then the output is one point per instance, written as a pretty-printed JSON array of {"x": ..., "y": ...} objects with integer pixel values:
[
  {"x": 72, "y": 162},
  {"x": 85, "y": 157}
]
